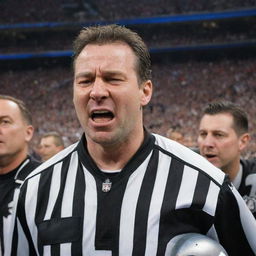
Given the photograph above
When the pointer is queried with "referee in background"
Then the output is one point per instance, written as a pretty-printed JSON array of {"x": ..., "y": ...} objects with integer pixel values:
[{"x": 121, "y": 190}]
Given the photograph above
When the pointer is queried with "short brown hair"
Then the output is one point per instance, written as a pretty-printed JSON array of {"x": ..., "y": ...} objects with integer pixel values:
[
  {"x": 113, "y": 33},
  {"x": 26, "y": 114},
  {"x": 239, "y": 115}
]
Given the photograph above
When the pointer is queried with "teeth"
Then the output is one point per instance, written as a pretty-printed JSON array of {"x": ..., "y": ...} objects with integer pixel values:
[{"x": 100, "y": 112}]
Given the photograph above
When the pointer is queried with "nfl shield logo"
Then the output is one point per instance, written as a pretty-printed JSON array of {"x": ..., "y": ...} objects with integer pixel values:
[{"x": 106, "y": 185}]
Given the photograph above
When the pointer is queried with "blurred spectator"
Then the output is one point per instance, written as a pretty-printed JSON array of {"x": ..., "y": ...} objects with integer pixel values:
[
  {"x": 223, "y": 135},
  {"x": 16, "y": 132},
  {"x": 50, "y": 144},
  {"x": 175, "y": 135},
  {"x": 13, "y": 11}
]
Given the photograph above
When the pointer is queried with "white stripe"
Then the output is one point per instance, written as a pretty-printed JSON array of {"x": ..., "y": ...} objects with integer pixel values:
[
  {"x": 54, "y": 190},
  {"x": 67, "y": 204},
  {"x": 211, "y": 199},
  {"x": 65, "y": 249},
  {"x": 90, "y": 211},
  {"x": 30, "y": 207},
  {"x": 247, "y": 220},
  {"x": 187, "y": 188},
  {"x": 156, "y": 203},
  {"x": 47, "y": 250},
  {"x": 128, "y": 209},
  {"x": 22, "y": 248},
  {"x": 9, "y": 226}
]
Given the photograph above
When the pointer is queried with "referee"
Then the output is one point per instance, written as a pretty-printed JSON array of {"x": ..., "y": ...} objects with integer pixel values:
[{"x": 121, "y": 190}]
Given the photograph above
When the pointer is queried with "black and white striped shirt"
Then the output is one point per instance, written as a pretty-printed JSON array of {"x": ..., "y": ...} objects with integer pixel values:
[
  {"x": 9, "y": 183},
  {"x": 164, "y": 190}
]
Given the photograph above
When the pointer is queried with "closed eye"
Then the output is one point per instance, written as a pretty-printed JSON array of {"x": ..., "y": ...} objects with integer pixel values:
[{"x": 85, "y": 82}]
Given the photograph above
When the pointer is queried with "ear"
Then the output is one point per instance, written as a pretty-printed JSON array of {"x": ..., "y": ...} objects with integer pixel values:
[
  {"x": 29, "y": 133},
  {"x": 146, "y": 92},
  {"x": 243, "y": 141}
]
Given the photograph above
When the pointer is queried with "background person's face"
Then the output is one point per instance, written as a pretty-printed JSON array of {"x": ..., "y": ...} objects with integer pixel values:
[
  {"x": 218, "y": 141},
  {"x": 47, "y": 148},
  {"x": 14, "y": 132}
]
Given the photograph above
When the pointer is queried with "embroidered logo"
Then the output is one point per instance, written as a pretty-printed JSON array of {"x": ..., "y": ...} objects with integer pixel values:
[{"x": 106, "y": 185}]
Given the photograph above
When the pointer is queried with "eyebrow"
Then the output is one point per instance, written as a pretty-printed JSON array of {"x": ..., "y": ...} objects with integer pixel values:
[
  {"x": 106, "y": 73},
  {"x": 5, "y": 116},
  {"x": 83, "y": 74}
]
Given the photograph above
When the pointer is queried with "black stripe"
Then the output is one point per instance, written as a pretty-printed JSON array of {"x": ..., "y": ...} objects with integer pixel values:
[
  {"x": 168, "y": 226},
  {"x": 141, "y": 217},
  {"x": 64, "y": 170},
  {"x": 55, "y": 249},
  {"x": 230, "y": 227},
  {"x": 78, "y": 208},
  {"x": 42, "y": 201},
  {"x": 108, "y": 216},
  {"x": 201, "y": 218},
  {"x": 201, "y": 190},
  {"x": 22, "y": 217}
]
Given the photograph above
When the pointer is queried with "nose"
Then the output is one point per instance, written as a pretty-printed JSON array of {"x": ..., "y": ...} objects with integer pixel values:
[
  {"x": 207, "y": 141},
  {"x": 99, "y": 90}
]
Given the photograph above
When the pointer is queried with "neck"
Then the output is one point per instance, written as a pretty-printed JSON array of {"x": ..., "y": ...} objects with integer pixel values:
[
  {"x": 9, "y": 163},
  {"x": 232, "y": 169},
  {"x": 115, "y": 157}
]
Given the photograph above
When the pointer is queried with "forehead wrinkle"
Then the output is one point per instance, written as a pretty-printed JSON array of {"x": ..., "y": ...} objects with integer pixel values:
[{"x": 110, "y": 72}]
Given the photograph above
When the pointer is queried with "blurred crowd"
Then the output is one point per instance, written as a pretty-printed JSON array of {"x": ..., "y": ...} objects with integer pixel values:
[
  {"x": 13, "y": 11},
  {"x": 205, "y": 32},
  {"x": 181, "y": 90}
]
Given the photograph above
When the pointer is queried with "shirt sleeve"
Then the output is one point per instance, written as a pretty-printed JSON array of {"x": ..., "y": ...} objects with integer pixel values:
[{"x": 234, "y": 223}]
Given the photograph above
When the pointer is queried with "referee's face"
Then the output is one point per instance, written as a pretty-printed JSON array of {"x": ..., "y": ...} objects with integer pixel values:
[
  {"x": 15, "y": 133},
  {"x": 219, "y": 143},
  {"x": 107, "y": 97}
]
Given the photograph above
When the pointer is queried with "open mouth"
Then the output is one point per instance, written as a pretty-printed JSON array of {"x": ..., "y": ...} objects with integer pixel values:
[
  {"x": 102, "y": 116},
  {"x": 209, "y": 156}
]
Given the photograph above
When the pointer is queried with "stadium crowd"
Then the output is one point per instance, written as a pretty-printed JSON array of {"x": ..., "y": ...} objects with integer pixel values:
[
  {"x": 12, "y": 11},
  {"x": 181, "y": 90},
  {"x": 182, "y": 34}
]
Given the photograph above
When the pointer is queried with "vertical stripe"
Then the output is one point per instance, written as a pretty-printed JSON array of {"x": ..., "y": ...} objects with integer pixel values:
[
  {"x": 67, "y": 204},
  {"x": 54, "y": 190},
  {"x": 143, "y": 205},
  {"x": 10, "y": 225},
  {"x": 65, "y": 249},
  {"x": 201, "y": 190},
  {"x": 89, "y": 228},
  {"x": 211, "y": 199},
  {"x": 247, "y": 220},
  {"x": 78, "y": 208},
  {"x": 187, "y": 188},
  {"x": 168, "y": 224},
  {"x": 30, "y": 207},
  {"x": 127, "y": 218},
  {"x": 22, "y": 249},
  {"x": 47, "y": 250},
  {"x": 155, "y": 205},
  {"x": 90, "y": 202}
]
